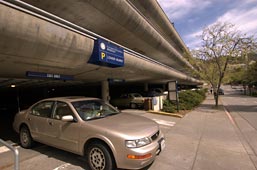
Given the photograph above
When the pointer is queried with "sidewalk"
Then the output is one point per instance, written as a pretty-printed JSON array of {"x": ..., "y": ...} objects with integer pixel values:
[{"x": 205, "y": 139}]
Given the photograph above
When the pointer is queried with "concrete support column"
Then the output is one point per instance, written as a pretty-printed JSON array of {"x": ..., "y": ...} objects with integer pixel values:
[
  {"x": 105, "y": 91},
  {"x": 146, "y": 87},
  {"x": 164, "y": 87}
]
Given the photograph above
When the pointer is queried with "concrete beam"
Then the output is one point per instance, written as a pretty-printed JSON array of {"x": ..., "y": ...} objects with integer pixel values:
[
  {"x": 120, "y": 22},
  {"x": 42, "y": 46}
]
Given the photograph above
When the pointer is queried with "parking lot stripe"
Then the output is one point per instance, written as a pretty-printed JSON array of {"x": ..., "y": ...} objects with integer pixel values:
[
  {"x": 62, "y": 166},
  {"x": 5, "y": 149},
  {"x": 164, "y": 122}
]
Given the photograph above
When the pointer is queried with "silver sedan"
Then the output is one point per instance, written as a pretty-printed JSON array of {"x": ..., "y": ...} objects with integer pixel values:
[{"x": 89, "y": 127}]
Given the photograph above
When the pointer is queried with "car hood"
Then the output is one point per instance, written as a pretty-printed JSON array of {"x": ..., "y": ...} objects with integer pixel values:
[{"x": 126, "y": 125}]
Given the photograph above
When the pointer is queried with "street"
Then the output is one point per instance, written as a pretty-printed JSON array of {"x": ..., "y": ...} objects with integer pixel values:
[{"x": 243, "y": 110}]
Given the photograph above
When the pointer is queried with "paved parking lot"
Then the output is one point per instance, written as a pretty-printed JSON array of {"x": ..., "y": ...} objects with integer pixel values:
[
  {"x": 48, "y": 158},
  {"x": 205, "y": 138},
  {"x": 165, "y": 122}
]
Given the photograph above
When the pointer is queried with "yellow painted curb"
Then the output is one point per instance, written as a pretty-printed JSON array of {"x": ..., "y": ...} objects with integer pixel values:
[{"x": 166, "y": 113}]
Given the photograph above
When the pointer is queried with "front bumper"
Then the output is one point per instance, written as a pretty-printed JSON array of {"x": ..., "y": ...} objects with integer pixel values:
[{"x": 144, "y": 156}]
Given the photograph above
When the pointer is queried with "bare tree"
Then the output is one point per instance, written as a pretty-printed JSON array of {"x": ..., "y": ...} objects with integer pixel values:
[{"x": 221, "y": 42}]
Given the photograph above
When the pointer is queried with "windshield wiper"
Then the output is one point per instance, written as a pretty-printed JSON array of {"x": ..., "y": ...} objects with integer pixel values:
[
  {"x": 94, "y": 118},
  {"x": 111, "y": 114},
  {"x": 103, "y": 116}
]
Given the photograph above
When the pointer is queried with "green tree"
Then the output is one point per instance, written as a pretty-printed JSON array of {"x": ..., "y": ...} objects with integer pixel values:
[
  {"x": 221, "y": 43},
  {"x": 251, "y": 73},
  {"x": 235, "y": 75}
]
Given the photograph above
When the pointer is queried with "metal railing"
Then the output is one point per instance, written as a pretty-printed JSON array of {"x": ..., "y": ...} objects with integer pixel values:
[{"x": 15, "y": 151}]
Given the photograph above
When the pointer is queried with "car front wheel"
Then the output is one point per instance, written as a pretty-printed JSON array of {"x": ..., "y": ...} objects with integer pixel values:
[
  {"x": 25, "y": 137},
  {"x": 99, "y": 157}
]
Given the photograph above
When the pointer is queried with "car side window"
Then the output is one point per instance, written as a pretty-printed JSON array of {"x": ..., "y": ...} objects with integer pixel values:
[
  {"x": 124, "y": 96},
  {"x": 43, "y": 109},
  {"x": 137, "y": 95},
  {"x": 62, "y": 109}
]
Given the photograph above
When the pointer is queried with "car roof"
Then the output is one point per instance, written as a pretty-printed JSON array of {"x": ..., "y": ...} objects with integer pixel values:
[
  {"x": 71, "y": 98},
  {"x": 134, "y": 93}
]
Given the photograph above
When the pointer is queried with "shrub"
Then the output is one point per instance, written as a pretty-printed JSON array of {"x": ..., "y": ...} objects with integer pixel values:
[
  {"x": 187, "y": 100},
  {"x": 254, "y": 94},
  {"x": 169, "y": 106}
]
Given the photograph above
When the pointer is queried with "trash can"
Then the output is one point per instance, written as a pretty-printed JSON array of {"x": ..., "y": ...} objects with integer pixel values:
[
  {"x": 148, "y": 104},
  {"x": 156, "y": 103}
]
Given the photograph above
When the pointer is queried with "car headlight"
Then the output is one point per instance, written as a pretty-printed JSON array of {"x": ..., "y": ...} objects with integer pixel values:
[{"x": 137, "y": 143}]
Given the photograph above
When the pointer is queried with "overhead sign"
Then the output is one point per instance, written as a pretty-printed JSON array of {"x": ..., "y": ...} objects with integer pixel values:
[
  {"x": 115, "y": 80},
  {"x": 33, "y": 74},
  {"x": 107, "y": 54}
]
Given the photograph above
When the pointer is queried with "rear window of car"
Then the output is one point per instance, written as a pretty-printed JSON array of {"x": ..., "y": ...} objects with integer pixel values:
[{"x": 43, "y": 109}]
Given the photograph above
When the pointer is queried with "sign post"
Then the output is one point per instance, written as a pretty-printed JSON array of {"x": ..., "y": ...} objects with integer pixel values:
[{"x": 173, "y": 92}]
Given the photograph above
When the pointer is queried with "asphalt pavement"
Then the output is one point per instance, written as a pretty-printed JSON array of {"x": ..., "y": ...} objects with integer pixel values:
[{"x": 204, "y": 139}]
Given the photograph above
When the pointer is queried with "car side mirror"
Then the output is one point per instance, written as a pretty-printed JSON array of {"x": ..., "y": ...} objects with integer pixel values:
[{"x": 68, "y": 118}]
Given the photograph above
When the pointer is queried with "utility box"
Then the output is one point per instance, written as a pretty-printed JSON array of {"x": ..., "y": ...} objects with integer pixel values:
[{"x": 157, "y": 103}]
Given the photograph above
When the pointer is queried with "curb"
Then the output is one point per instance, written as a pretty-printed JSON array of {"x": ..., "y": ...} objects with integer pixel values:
[{"x": 166, "y": 113}]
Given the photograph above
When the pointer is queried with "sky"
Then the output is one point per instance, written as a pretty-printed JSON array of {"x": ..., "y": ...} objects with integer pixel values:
[{"x": 191, "y": 16}]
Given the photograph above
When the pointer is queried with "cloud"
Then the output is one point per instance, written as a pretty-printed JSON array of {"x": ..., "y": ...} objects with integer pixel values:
[
  {"x": 193, "y": 43},
  {"x": 177, "y": 9},
  {"x": 191, "y": 16},
  {"x": 192, "y": 40},
  {"x": 243, "y": 18}
]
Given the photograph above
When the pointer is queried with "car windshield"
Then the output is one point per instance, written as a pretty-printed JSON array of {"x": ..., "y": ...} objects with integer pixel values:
[
  {"x": 136, "y": 95},
  {"x": 94, "y": 109}
]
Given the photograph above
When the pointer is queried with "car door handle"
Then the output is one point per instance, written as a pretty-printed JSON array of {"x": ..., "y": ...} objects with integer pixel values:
[
  {"x": 50, "y": 123},
  {"x": 29, "y": 119}
]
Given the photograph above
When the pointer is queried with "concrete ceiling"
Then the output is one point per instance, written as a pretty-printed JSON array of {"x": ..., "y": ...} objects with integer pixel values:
[
  {"x": 33, "y": 43},
  {"x": 139, "y": 25}
]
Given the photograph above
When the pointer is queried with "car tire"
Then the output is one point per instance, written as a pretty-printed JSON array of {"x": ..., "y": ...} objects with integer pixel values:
[
  {"x": 133, "y": 105},
  {"x": 99, "y": 157},
  {"x": 25, "y": 137}
]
